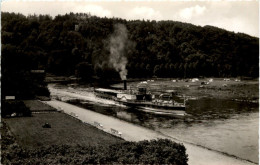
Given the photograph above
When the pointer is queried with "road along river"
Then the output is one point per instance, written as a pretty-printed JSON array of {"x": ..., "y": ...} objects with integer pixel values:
[
  {"x": 227, "y": 126},
  {"x": 131, "y": 132}
]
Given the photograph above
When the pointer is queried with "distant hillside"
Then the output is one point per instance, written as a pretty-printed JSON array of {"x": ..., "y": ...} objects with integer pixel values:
[{"x": 80, "y": 44}]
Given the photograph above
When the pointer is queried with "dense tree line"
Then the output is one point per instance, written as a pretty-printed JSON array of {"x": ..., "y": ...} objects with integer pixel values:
[{"x": 75, "y": 44}]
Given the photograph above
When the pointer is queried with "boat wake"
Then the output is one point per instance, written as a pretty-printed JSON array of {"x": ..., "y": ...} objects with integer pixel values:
[{"x": 69, "y": 94}]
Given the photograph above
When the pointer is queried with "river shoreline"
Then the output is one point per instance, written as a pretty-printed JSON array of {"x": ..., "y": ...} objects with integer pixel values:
[
  {"x": 131, "y": 132},
  {"x": 215, "y": 116}
]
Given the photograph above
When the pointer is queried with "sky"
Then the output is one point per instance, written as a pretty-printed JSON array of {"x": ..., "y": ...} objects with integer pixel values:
[{"x": 237, "y": 16}]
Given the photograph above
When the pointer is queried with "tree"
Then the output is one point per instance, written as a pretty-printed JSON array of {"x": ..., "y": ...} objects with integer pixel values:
[
  {"x": 154, "y": 43},
  {"x": 157, "y": 70},
  {"x": 84, "y": 71}
]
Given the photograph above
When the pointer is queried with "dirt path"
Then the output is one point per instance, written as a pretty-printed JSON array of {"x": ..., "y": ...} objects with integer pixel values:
[{"x": 132, "y": 132}]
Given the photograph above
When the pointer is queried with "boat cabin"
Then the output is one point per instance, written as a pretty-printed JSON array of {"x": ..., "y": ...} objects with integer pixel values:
[{"x": 106, "y": 93}]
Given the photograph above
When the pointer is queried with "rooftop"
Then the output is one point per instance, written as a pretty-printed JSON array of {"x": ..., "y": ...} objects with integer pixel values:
[{"x": 107, "y": 90}]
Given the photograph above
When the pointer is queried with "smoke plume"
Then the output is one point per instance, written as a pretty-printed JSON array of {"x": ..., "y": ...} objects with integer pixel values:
[{"x": 118, "y": 45}]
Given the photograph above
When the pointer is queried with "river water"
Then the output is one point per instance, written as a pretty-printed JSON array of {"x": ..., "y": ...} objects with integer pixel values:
[{"x": 227, "y": 126}]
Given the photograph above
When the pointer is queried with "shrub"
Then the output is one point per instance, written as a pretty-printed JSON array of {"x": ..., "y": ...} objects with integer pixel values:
[
  {"x": 18, "y": 107},
  {"x": 42, "y": 91},
  {"x": 154, "y": 152}
]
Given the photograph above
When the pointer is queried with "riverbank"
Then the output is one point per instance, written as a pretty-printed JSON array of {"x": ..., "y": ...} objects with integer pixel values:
[
  {"x": 130, "y": 132},
  {"x": 217, "y": 120},
  {"x": 50, "y": 136},
  {"x": 144, "y": 152},
  {"x": 232, "y": 88}
]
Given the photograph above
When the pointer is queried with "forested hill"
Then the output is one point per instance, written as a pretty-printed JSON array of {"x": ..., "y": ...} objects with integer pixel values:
[{"x": 78, "y": 44}]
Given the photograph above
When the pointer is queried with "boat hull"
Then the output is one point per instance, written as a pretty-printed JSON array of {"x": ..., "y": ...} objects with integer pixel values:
[
  {"x": 156, "y": 108},
  {"x": 152, "y": 105},
  {"x": 161, "y": 112}
]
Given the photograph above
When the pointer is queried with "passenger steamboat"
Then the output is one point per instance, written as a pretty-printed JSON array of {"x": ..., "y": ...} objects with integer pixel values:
[{"x": 164, "y": 104}]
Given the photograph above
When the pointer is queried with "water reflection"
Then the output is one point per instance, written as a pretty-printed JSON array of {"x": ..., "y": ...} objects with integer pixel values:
[
  {"x": 209, "y": 108},
  {"x": 129, "y": 114},
  {"x": 199, "y": 111}
]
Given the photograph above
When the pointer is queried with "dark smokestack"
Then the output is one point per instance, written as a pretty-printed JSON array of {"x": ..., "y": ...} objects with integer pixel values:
[{"x": 125, "y": 86}]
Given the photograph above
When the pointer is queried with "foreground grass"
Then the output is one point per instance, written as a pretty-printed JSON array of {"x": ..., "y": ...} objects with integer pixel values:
[
  {"x": 35, "y": 105},
  {"x": 110, "y": 151},
  {"x": 64, "y": 130}
]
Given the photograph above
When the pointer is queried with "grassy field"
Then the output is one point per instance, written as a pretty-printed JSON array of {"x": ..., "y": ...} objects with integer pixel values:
[
  {"x": 69, "y": 141},
  {"x": 35, "y": 105},
  {"x": 218, "y": 88},
  {"x": 247, "y": 89},
  {"x": 64, "y": 130}
]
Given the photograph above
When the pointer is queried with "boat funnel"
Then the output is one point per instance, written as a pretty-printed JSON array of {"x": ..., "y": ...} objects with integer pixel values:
[{"x": 125, "y": 85}]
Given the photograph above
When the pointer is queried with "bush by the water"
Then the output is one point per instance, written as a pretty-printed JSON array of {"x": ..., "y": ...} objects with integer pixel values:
[
  {"x": 160, "y": 151},
  {"x": 14, "y": 107}
]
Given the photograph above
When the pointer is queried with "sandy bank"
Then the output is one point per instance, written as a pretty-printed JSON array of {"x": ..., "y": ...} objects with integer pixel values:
[{"x": 131, "y": 132}]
